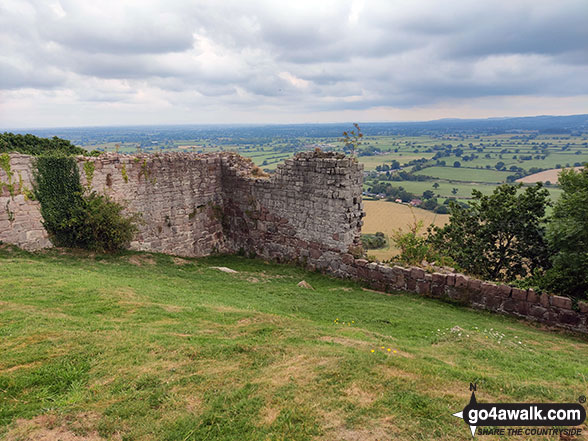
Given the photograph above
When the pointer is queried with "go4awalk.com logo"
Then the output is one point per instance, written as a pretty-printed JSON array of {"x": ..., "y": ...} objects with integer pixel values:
[{"x": 490, "y": 418}]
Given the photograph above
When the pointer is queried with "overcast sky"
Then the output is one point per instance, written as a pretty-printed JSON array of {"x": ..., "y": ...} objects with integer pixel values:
[{"x": 115, "y": 62}]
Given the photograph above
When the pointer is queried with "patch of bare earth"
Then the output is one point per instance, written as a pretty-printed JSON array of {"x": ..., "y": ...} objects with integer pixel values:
[
  {"x": 179, "y": 261},
  {"x": 377, "y": 430},
  {"x": 34, "y": 364},
  {"x": 360, "y": 396},
  {"x": 268, "y": 415},
  {"x": 141, "y": 260},
  {"x": 80, "y": 427},
  {"x": 300, "y": 369}
]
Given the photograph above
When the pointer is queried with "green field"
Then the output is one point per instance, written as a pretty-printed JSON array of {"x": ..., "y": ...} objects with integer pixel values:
[
  {"x": 371, "y": 162},
  {"x": 465, "y": 174},
  {"x": 151, "y": 347},
  {"x": 464, "y": 191}
]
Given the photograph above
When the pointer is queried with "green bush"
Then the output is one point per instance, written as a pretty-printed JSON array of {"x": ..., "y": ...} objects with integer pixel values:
[
  {"x": 414, "y": 246},
  {"x": 99, "y": 224},
  {"x": 374, "y": 241},
  {"x": 73, "y": 218}
]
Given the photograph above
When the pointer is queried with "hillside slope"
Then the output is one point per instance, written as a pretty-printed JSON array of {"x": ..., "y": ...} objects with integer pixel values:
[{"x": 145, "y": 346}]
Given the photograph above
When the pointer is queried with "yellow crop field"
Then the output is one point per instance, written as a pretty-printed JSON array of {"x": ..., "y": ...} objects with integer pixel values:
[
  {"x": 388, "y": 217},
  {"x": 547, "y": 175}
]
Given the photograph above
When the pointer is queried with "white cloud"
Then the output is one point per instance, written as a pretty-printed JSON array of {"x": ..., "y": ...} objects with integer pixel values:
[{"x": 86, "y": 62}]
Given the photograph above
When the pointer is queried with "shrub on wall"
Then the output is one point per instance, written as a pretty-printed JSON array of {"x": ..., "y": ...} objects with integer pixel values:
[{"x": 76, "y": 219}]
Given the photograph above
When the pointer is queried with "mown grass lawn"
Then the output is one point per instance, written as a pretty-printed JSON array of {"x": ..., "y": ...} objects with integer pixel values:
[{"x": 145, "y": 347}]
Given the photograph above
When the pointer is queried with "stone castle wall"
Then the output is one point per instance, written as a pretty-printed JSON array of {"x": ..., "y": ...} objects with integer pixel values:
[
  {"x": 198, "y": 204},
  {"x": 20, "y": 216},
  {"x": 309, "y": 211},
  {"x": 178, "y": 198}
]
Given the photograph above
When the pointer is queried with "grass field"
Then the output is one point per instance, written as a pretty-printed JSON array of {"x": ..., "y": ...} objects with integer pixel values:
[
  {"x": 465, "y": 174},
  {"x": 150, "y": 347},
  {"x": 464, "y": 190},
  {"x": 371, "y": 162},
  {"x": 388, "y": 217}
]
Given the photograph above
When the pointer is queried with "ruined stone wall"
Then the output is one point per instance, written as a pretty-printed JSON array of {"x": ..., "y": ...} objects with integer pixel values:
[
  {"x": 195, "y": 205},
  {"x": 20, "y": 216},
  {"x": 177, "y": 196},
  {"x": 309, "y": 210}
]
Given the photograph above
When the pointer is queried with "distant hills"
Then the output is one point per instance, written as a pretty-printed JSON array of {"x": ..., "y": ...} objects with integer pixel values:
[{"x": 572, "y": 124}]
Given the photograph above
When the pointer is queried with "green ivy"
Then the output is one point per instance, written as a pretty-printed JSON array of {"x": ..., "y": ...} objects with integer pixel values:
[
  {"x": 75, "y": 219},
  {"x": 60, "y": 193},
  {"x": 5, "y": 163},
  {"x": 124, "y": 173},
  {"x": 89, "y": 168}
]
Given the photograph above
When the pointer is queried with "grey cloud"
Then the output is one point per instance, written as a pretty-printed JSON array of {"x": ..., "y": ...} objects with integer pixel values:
[{"x": 309, "y": 55}]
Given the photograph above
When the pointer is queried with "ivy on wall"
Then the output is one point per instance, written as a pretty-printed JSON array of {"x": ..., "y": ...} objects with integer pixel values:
[
  {"x": 74, "y": 218},
  {"x": 60, "y": 193}
]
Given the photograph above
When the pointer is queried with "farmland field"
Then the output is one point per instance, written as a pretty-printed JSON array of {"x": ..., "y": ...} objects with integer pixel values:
[
  {"x": 465, "y": 174},
  {"x": 150, "y": 347},
  {"x": 547, "y": 175},
  {"x": 371, "y": 162},
  {"x": 388, "y": 217}
]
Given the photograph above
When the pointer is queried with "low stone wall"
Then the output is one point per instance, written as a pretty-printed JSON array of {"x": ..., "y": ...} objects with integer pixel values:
[{"x": 457, "y": 288}]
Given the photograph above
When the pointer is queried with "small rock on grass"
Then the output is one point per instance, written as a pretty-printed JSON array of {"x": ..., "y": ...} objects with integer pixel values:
[
  {"x": 304, "y": 284},
  {"x": 224, "y": 269}
]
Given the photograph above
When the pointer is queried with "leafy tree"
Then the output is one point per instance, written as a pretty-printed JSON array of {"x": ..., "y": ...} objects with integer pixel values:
[
  {"x": 454, "y": 190},
  {"x": 567, "y": 234},
  {"x": 457, "y": 164},
  {"x": 429, "y": 204},
  {"x": 436, "y": 185},
  {"x": 500, "y": 236},
  {"x": 374, "y": 241},
  {"x": 428, "y": 194}
]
